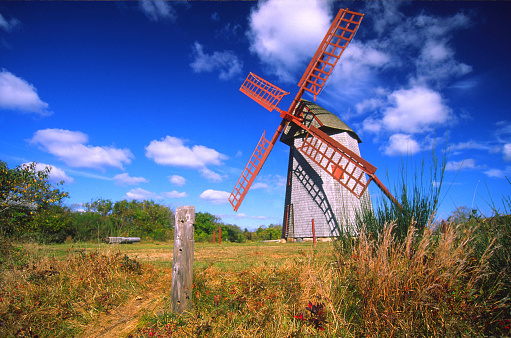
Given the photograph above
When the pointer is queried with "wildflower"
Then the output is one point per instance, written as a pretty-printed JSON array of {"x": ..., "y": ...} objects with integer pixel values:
[{"x": 300, "y": 316}]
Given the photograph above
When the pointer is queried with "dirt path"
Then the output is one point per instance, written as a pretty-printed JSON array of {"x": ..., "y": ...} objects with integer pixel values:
[{"x": 120, "y": 321}]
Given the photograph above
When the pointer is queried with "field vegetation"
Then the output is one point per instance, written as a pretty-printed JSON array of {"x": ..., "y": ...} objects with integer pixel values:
[{"x": 403, "y": 274}]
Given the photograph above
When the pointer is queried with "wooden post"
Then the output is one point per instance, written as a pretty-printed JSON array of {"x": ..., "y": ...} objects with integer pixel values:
[
  {"x": 219, "y": 235},
  {"x": 182, "y": 268},
  {"x": 313, "y": 233},
  {"x": 214, "y": 235}
]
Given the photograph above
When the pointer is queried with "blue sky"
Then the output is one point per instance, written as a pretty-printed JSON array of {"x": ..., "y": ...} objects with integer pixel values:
[{"x": 140, "y": 99}]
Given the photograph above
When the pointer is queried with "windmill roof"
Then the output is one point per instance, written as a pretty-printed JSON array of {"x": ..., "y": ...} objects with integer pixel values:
[{"x": 321, "y": 118}]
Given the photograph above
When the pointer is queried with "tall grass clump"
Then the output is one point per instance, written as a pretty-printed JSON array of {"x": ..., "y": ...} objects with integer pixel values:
[
  {"x": 420, "y": 286},
  {"x": 418, "y": 193},
  {"x": 496, "y": 230}
]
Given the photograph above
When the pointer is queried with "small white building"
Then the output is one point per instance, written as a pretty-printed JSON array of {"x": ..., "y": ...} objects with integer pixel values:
[
  {"x": 311, "y": 193},
  {"x": 120, "y": 240}
]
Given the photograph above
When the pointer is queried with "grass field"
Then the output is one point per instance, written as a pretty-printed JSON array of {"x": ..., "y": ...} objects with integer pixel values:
[
  {"x": 429, "y": 285},
  {"x": 228, "y": 256}
]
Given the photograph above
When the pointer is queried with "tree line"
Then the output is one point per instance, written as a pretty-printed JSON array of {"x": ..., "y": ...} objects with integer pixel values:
[{"x": 31, "y": 208}]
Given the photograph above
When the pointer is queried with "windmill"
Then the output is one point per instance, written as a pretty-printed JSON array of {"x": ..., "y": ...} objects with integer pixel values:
[{"x": 314, "y": 153}]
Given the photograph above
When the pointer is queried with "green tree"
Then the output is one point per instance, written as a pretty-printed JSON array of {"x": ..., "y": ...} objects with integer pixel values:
[
  {"x": 273, "y": 231},
  {"x": 205, "y": 224},
  {"x": 25, "y": 192}
]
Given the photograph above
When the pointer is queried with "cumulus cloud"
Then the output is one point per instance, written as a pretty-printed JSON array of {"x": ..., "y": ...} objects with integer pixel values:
[
  {"x": 172, "y": 151},
  {"x": 8, "y": 25},
  {"x": 126, "y": 179},
  {"x": 158, "y": 10},
  {"x": 56, "y": 174},
  {"x": 142, "y": 194},
  {"x": 226, "y": 63},
  {"x": 177, "y": 180},
  {"x": 468, "y": 163},
  {"x": 284, "y": 35},
  {"x": 499, "y": 173},
  {"x": 413, "y": 110},
  {"x": 18, "y": 94},
  {"x": 71, "y": 147},
  {"x": 210, "y": 175},
  {"x": 401, "y": 144},
  {"x": 175, "y": 194},
  {"x": 215, "y": 196}
]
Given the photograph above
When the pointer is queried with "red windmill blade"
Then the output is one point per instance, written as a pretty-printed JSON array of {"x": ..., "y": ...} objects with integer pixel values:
[
  {"x": 346, "y": 167},
  {"x": 342, "y": 30}
]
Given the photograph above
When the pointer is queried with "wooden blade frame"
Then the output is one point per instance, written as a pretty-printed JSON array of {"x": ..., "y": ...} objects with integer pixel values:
[
  {"x": 340, "y": 34},
  {"x": 253, "y": 167},
  {"x": 345, "y": 166},
  {"x": 263, "y": 92}
]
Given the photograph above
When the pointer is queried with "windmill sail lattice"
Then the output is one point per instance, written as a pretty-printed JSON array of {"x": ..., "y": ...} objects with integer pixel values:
[
  {"x": 342, "y": 30},
  {"x": 251, "y": 170},
  {"x": 342, "y": 164},
  {"x": 262, "y": 91}
]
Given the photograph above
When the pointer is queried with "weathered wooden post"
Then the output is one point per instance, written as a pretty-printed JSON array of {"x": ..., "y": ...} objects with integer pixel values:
[
  {"x": 182, "y": 267},
  {"x": 214, "y": 235},
  {"x": 219, "y": 235}
]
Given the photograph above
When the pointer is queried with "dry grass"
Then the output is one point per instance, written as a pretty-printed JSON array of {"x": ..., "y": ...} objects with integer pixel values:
[
  {"x": 425, "y": 286},
  {"x": 422, "y": 286},
  {"x": 48, "y": 297}
]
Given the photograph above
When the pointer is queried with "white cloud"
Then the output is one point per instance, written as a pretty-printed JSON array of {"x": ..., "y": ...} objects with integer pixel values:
[
  {"x": 215, "y": 196},
  {"x": 8, "y": 25},
  {"x": 259, "y": 185},
  {"x": 401, "y": 144},
  {"x": 172, "y": 151},
  {"x": 470, "y": 145},
  {"x": 210, "y": 175},
  {"x": 468, "y": 163},
  {"x": 70, "y": 147},
  {"x": 240, "y": 215},
  {"x": 413, "y": 110},
  {"x": 226, "y": 63},
  {"x": 269, "y": 182},
  {"x": 498, "y": 173},
  {"x": 126, "y": 179},
  {"x": 175, "y": 194},
  {"x": 141, "y": 194},
  {"x": 17, "y": 94},
  {"x": 369, "y": 105},
  {"x": 157, "y": 10},
  {"x": 436, "y": 64},
  {"x": 285, "y": 34},
  {"x": 177, "y": 180},
  {"x": 506, "y": 150},
  {"x": 56, "y": 174}
]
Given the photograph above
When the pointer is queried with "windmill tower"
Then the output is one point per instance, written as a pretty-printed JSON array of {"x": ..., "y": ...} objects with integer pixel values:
[
  {"x": 312, "y": 147},
  {"x": 312, "y": 193}
]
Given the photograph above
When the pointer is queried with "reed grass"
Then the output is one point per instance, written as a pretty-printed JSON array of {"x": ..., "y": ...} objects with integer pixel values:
[{"x": 418, "y": 192}]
